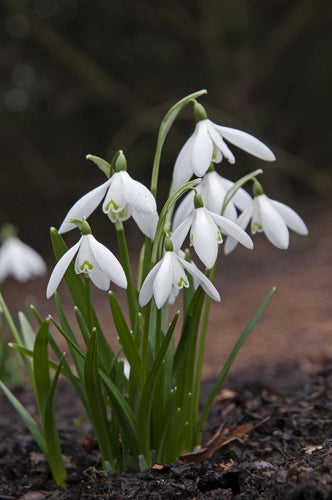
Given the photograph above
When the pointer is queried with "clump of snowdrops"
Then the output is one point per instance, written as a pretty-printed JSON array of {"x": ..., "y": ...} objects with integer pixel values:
[{"x": 143, "y": 399}]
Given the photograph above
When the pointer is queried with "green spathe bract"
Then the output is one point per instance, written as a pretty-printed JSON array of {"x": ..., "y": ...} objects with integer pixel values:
[{"x": 149, "y": 412}]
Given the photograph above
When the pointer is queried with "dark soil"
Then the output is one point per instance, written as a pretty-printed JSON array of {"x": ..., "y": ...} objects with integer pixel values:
[{"x": 275, "y": 443}]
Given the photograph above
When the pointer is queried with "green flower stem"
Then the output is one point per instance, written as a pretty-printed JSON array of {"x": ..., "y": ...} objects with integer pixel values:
[
  {"x": 144, "y": 263},
  {"x": 131, "y": 290},
  {"x": 237, "y": 185},
  {"x": 164, "y": 128},
  {"x": 145, "y": 343},
  {"x": 89, "y": 311},
  {"x": 158, "y": 339}
]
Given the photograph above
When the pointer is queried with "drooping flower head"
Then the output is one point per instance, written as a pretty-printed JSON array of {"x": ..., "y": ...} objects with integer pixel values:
[
  {"x": 17, "y": 259},
  {"x": 93, "y": 259},
  {"x": 206, "y": 229},
  {"x": 212, "y": 189},
  {"x": 168, "y": 276},
  {"x": 271, "y": 217},
  {"x": 207, "y": 144},
  {"x": 123, "y": 198}
]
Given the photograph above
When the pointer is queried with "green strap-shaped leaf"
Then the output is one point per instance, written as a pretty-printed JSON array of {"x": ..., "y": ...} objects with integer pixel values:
[
  {"x": 124, "y": 414},
  {"x": 126, "y": 338},
  {"x": 98, "y": 412},
  {"x": 187, "y": 331},
  {"x": 221, "y": 377},
  {"x": 27, "y": 332},
  {"x": 73, "y": 344},
  {"x": 27, "y": 352},
  {"x": 26, "y": 417},
  {"x": 18, "y": 339},
  {"x": 144, "y": 415},
  {"x": 40, "y": 367},
  {"x": 54, "y": 455}
]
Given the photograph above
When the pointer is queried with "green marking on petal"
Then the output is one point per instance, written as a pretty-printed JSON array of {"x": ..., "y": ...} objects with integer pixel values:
[
  {"x": 219, "y": 237},
  {"x": 182, "y": 283},
  {"x": 256, "y": 227},
  {"x": 111, "y": 205},
  {"x": 86, "y": 266}
]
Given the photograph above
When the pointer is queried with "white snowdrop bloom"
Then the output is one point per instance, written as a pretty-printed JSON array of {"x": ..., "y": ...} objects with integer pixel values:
[
  {"x": 207, "y": 144},
  {"x": 205, "y": 234},
  {"x": 271, "y": 217},
  {"x": 123, "y": 197},
  {"x": 213, "y": 189},
  {"x": 19, "y": 261},
  {"x": 168, "y": 276},
  {"x": 92, "y": 258}
]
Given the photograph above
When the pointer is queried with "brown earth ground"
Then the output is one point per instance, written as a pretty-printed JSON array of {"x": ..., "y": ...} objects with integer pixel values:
[{"x": 280, "y": 388}]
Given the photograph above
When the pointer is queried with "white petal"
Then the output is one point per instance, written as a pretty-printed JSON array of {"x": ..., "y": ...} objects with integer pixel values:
[
  {"x": 146, "y": 222},
  {"x": 114, "y": 200},
  {"x": 137, "y": 195},
  {"x": 146, "y": 292},
  {"x": 292, "y": 219},
  {"x": 20, "y": 261},
  {"x": 33, "y": 260},
  {"x": 60, "y": 269},
  {"x": 84, "y": 206},
  {"x": 180, "y": 233},
  {"x": 179, "y": 278},
  {"x": 202, "y": 149},
  {"x": 273, "y": 224},
  {"x": 231, "y": 228},
  {"x": 213, "y": 193},
  {"x": 85, "y": 260},
  {"x": 5, "y": 262},
  {"x": 183, "y": 169},
  {"x": 205, "y": 237},
  {"x": 205, "y": 283},
  {"x": 242, "y": 221},
  {"x": 241, "y": 199},
  {"x": 247, "y": 142},
  {"x": 220, "y": 144},
  {"x": 184, "y": 210},
  {"x": 162, "y": 285},
  {"x": 99, "y": 279},
  {"x": 107, "y": 262}
]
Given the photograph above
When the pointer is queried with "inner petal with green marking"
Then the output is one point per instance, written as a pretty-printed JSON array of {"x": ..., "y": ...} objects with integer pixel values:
[{"x": 86, "y": 266}]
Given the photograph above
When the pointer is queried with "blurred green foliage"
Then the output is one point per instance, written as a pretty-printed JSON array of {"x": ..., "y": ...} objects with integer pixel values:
[{"x": 82, "y": 77}]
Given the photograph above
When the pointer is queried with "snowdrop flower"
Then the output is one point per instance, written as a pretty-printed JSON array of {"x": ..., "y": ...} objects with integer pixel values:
[
  {"x": 123, "y": 197},
  {"x": 207, "y": 144},
  {"x": 213, "y": 189},
  {"x": 18, "y": 260},
  {"x": 271, "y": 217},
  {"x": 92, "y": 258},
  {"x": 205, "y": 232},
  {"x": 168, "y": 276}
]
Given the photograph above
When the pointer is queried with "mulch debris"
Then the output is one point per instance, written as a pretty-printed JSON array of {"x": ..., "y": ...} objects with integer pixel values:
[{"x": 269, "y": 436}]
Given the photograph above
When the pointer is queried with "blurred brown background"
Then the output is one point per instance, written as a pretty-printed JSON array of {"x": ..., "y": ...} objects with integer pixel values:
[{"x": 82, "y": 77}]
